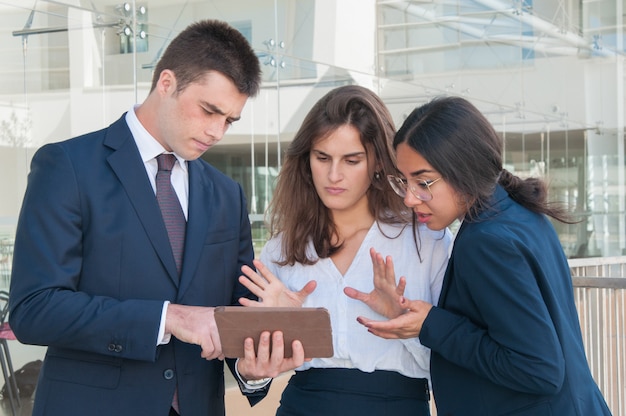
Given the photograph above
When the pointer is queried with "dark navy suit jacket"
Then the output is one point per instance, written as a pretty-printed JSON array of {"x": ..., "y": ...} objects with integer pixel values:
[
  {"x": 93, "y": 266},
  {"x": 505, "y": 336}
]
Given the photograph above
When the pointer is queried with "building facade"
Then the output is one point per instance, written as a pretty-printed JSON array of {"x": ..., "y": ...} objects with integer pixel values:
[{"x": 549, "y": 74}]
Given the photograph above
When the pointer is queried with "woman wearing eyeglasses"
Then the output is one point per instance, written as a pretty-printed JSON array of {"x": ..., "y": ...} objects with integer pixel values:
[
  {"x": 333, "y": 219},
  {"x": 505, "y": 335}
]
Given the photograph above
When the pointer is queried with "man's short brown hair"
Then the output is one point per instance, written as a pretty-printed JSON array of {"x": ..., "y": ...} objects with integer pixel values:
[{"x": 211, "y": 45}]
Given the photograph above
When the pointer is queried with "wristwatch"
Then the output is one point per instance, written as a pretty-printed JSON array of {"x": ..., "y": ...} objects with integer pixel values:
[
  {"x": 251, "y": 383},
  {"x": 255, "y": 383}
]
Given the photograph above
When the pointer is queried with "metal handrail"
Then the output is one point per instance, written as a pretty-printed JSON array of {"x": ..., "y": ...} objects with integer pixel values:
[
  {"x": 600, "y": 282},
  {"x": 601, "y": 305}
]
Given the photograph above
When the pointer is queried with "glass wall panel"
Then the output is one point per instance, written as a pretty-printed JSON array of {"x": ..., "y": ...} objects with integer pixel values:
[{"x": 549, "y": 75}]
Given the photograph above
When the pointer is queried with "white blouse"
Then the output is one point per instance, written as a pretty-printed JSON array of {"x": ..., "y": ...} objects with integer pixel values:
[{"x": 354, "y": 347}]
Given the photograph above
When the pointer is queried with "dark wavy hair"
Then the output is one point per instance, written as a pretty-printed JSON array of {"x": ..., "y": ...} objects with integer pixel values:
[
  {"x": 211, "y": 45},
  {"x": 460, "y": 143},
  {"x": 296, "y": 210}
]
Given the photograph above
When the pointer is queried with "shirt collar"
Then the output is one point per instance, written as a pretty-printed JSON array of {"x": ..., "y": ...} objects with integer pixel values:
[{"x": 149, "y": 147}]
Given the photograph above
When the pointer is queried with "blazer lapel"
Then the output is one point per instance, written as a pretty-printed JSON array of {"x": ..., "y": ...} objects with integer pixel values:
[
  {"x": 448, "y": 276},
  {"x": 497, "y": 202},
  {"x": 127, "y": 165}
]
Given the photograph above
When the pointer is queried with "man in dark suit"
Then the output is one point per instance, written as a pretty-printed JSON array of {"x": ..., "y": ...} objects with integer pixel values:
[{"x": 94, "y": 276}]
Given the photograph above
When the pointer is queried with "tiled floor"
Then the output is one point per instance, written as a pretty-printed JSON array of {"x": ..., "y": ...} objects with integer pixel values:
[{"x": 24, "y": 410}]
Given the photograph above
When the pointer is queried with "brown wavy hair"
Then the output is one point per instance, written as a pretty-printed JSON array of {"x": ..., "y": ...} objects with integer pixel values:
[{"x": 296, "y": 210}]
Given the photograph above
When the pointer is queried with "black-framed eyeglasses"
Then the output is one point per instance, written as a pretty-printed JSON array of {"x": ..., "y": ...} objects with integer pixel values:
[{"x": 420, "y": 188}]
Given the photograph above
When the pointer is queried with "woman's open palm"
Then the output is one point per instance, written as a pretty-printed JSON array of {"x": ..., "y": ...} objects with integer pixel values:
[
  {"x": 386, "y": 296},
  {"x": 270, "y": 290}
]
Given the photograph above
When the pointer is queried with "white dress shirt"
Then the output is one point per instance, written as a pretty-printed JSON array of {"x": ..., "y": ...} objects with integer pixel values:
[
  {"x": 149, "y": 149},
  {"x": 354, "y": 346}
]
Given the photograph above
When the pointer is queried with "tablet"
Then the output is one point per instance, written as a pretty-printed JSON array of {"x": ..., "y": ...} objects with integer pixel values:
[{"x": 311, "y": 326}]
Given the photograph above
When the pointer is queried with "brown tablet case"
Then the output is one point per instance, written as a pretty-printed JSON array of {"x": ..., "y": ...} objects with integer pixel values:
[{"x": 311, "y": 326}]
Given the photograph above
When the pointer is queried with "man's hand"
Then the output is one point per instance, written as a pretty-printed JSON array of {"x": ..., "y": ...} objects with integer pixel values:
[
  {"x": 270, "y": 290},
  {"x": 195, "y": 325},
  {"x": 269, "y": 361},
  {"x": 405, "y": 326},
  {"x": 385, "y": 298}
]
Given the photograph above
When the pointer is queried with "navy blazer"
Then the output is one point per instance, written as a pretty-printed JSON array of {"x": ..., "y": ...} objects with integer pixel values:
[
  {"x": 505, "y": 336},
  {"x": 93, "y": 266}
]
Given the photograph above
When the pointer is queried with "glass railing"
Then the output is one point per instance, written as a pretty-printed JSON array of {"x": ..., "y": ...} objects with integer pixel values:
[
  {"x": 6, "y": 260},
  {"x": 601, "y": 304}
]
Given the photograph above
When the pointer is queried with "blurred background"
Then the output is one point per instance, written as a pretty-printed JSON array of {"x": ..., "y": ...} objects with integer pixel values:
[{"x": 549, "y": 75}]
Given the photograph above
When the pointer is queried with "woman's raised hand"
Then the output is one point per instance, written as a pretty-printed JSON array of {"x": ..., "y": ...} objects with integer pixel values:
[
  {"x": 408, "y": 325},
  {"x": 386, "y": 296},
  {"x": 270, "y": 290}
]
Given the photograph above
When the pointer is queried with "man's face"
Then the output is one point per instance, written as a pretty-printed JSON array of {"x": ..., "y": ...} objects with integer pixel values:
[{"x": 193, "y": 120}]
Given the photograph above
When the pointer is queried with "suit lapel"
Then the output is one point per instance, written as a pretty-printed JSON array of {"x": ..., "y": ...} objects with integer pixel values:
[
  {"x": 199, "y": 215},
  {"x": 127, "y": 165}
]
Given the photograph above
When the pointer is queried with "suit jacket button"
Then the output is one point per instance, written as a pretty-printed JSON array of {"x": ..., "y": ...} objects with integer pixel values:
[
  {"x": 168, "y": 374},
  {"x": 115, "y": 347}
]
